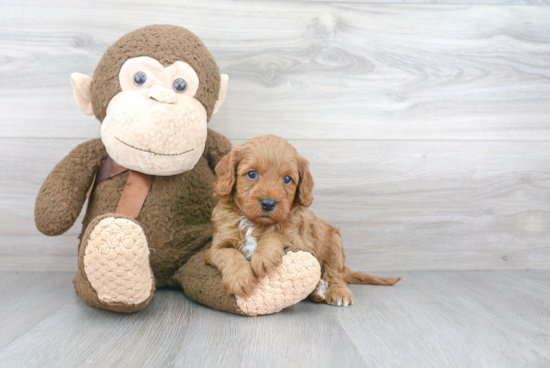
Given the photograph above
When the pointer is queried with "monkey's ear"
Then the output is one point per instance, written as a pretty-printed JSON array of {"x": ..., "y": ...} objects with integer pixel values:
[
  {"x": 224, "y": 78},
  {"x": 82, "y": 90}
]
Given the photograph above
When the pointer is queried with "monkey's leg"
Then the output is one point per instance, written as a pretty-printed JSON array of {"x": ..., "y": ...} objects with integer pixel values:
[
  {"x": 291, "y": 281},
  {"x": 113, "y": 265}
]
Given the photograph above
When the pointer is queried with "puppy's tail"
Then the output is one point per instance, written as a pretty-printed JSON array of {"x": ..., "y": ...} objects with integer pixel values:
[{"x": 358, "y": 277}]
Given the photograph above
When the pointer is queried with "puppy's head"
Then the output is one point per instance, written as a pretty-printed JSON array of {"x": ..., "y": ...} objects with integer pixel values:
[{"x": 265, "y": 178}]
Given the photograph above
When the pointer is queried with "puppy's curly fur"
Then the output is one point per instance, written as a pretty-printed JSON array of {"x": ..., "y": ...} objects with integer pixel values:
[{"x": 268, "y": 168}]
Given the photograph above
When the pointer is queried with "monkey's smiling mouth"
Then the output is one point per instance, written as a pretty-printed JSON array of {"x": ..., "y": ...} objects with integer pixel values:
[{"x": 154, "y": 153}]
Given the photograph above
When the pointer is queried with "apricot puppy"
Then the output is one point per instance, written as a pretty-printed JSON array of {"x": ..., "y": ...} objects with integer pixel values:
[{"x": 264, "y": 189}]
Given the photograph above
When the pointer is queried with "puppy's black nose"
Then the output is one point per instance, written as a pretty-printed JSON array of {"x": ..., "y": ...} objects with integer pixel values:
[{"x": 268, "y": 204}]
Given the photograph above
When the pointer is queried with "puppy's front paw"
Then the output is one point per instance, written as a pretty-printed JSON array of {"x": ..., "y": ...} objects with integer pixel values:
[
  {"x": 266, "y": 261},
  {"x": 239, "y": 281},
  {"x": 340, "y": 296}
]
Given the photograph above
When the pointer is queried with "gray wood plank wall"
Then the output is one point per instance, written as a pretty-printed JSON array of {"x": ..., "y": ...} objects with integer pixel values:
[{"x": 427, "y": 125}]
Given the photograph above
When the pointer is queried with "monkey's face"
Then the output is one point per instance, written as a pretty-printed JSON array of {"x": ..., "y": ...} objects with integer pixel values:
[
  {"x": 154, "y": 109},
  {"x": 155, "y": 125}
]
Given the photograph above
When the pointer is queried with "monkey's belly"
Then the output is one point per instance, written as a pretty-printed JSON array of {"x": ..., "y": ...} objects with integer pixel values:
[{"x": 175, "y": 216}]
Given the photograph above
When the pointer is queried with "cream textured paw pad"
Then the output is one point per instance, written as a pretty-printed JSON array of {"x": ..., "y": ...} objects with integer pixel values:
[
  {"x": 116, "y": 261},
  {"x": 292, "y": 281}
]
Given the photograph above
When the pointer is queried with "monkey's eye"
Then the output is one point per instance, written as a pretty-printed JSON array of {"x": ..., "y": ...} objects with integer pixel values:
[
  {"x": 180, "y": 85},
  {"x": 252, "y": 175},
  {"x": 140, "y": 78},
  {"x": 287, "y": 180}
]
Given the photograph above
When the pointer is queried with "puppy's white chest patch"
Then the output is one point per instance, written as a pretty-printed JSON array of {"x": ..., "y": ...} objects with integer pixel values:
[{"x": 250, "y": 242}]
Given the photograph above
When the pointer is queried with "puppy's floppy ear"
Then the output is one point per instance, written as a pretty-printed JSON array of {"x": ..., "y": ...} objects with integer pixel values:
[
  {"x": 305, "y": 185},
  {"x": 225, "y": 171}
]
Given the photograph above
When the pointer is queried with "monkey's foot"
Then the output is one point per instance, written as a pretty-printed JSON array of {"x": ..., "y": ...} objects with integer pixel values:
[
  {"x": 292, "y": 281},
  {"x": 114, "y": 271}
]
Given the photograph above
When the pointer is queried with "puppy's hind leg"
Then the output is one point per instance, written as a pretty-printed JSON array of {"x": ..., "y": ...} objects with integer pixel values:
[{"x": 338, "y": 292}]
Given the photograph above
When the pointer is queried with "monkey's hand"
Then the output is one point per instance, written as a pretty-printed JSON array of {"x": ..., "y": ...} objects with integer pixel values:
[{"x": 63, "y": 193}]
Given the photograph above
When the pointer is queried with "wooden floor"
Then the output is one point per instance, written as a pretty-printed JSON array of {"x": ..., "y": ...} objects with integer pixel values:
[{"x": 429, "y": 319}]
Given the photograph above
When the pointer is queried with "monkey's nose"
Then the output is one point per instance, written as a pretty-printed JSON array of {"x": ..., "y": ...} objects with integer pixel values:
[
  {"x": 268, "y": 204},
  {"x": 161, "y": 94}
]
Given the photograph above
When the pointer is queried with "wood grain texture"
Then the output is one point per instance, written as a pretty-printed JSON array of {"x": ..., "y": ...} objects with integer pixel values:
[
  {"x": 302, "y": 335},
  {"x": 435, "y": 205},
  {"x": 27, "y": 299},
  {"x": 420, "y": 205},
  {"x": 79, "y": 335},
  {"x": 427, "y": 125},
  {"x": 461, "y": 319},
  {"x": 429, "y": 319},
  {"x": 302, "y": 70},
  {"x": 432, "y": 2},
  {"x": 173, "y": 331}
]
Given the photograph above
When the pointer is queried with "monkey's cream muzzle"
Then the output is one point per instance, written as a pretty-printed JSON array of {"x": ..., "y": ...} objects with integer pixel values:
[
  {"x": 163, "y": 95},
  {"x": 155, "y": 131}
]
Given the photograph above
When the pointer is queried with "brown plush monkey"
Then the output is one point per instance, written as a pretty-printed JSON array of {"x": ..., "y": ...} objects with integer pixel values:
[{"x": 150, "y": 180}]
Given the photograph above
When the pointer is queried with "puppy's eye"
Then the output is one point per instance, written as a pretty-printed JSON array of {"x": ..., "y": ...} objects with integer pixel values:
[
  {"x": 287, "y": 180},
  {"x": 252, "y": 175},
  {"x": 140, "y": 78},
  {"x": 180, "y": 85}
]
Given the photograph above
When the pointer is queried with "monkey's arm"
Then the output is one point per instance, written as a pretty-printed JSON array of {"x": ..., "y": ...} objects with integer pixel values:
[
  {"x": 63, "y": 193},
  {"x": 216, "y": 147}
]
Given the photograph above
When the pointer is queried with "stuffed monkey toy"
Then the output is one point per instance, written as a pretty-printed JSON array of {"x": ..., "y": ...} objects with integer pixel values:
[{"x": 149, "y": 180}]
